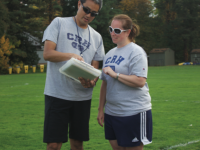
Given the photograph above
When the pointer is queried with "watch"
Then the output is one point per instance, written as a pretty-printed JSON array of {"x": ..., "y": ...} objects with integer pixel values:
[{"x": 117, "y": 76}]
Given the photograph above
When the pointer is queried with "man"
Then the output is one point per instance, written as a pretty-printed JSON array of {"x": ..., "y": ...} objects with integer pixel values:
[{"x": 67, "y": 101}]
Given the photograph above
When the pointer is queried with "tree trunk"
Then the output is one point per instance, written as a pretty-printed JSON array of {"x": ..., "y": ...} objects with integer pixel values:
[
  {"x": 50, "y": 11},
  {"x": 185, "y": 51}
]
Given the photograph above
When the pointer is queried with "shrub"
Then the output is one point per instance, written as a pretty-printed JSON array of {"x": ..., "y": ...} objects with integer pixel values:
[{"x": 5, "y": 51}]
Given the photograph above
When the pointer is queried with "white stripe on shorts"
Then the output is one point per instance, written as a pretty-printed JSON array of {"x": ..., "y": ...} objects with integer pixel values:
[{"x": 143, "y": 133}]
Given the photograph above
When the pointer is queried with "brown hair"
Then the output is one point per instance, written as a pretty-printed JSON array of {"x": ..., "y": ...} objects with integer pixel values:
[{"x": 127, "y": 23}]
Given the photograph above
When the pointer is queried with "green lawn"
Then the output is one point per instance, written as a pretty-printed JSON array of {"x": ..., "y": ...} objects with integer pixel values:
[{"x": 175, "y": 92}]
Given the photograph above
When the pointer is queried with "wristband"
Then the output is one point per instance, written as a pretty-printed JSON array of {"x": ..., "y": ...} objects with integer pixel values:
[{"x": 117, "y": 76}]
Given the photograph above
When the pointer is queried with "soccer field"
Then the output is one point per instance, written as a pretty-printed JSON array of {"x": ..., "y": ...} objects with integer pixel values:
[{"x": 175, "y": 92}]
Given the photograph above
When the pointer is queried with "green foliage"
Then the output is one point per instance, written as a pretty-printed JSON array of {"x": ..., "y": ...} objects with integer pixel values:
[
  {"x": 3, "y": 18},
  {"x": 69, "y": 7},
  {"x": 103, "y": 20},
  {"x": 53, "y": 9},
  {"x": 181, "y": 28},
  {"x": 5, "y": 51},
  {"x": 26, "y": 20},
  {"x": 140, "y": 11},
  {"x": 173, "y": 24},
  {"x": 26, "y": 53}
]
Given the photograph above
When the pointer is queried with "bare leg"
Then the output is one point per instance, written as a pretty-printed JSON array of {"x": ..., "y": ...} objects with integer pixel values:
[
  {"x": 76, "y": 145},
  {"x": 54, "y": 146},
  {"x": 115, "y": 145},
  {"x": 136, "y": 148}
]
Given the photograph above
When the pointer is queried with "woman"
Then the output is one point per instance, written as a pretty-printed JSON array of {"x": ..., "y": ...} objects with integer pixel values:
[{"x": 124, "y": 91}]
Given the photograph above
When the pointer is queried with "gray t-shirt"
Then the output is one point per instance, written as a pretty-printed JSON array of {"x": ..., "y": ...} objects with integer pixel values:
[
  {"x": 63, "y": 32},
  {"x": 121, "y": 99}
]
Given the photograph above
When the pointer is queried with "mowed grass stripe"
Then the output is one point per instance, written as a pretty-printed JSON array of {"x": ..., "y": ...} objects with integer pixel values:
[{"x": 175, "y": 107}]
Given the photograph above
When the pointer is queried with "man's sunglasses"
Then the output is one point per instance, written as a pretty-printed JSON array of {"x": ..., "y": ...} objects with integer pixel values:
[
  {"x": 116, "y": 30},
  {"x": 87, "y": 11}
]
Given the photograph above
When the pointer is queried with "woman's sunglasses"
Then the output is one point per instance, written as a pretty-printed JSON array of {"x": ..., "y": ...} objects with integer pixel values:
[
  {"x": 87, "y": 11},
  {"x": 116, "y": 30}
]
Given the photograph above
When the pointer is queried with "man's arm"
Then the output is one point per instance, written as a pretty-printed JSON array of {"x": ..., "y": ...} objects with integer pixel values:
[
  {"x": 95, "y": 64},
  {"x": 50, "y": 54}
]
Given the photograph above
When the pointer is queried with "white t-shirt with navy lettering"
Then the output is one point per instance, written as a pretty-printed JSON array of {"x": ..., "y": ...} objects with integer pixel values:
[
  {"x": 63, "y": 32},
  {"x": 121, "y": 99}
]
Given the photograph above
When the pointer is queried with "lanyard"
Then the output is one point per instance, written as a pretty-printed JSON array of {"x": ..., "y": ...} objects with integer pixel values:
[{"x": 81, "y": 51}]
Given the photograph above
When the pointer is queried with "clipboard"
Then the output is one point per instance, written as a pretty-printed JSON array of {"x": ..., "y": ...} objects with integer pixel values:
[{"x": 75, "y": 68}]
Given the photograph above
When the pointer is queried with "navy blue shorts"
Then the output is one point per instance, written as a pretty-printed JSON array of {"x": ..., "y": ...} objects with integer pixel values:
[
  {"x": 129, "y": 131},
  {"x": 59, "y": 113}
]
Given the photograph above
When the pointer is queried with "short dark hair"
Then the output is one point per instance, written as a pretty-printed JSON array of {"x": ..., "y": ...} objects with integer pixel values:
[{"x": 99, "y": 2}]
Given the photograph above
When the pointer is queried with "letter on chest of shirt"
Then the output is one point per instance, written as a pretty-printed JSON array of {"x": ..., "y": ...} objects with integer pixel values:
[
  {"x": 78, "y": 42},
  {"x": 115, "y": 59}
]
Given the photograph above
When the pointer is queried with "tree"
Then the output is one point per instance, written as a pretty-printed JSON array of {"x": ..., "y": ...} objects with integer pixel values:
[
  {"x": 69, "y": 7},
  {"x": 181, "y": 26},
  {"x": 5, "y": 51},
  {"x": 25, "y": 16},
  {"x": 140, "y": 11},
  {"x": 3, "y": 18},
  {"x": 103, "y": 21}
]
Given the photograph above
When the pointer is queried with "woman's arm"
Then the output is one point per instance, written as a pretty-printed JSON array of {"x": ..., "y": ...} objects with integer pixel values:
[
  {"x": 102, "y": 101},
  {"x": 130, "y": 80}
]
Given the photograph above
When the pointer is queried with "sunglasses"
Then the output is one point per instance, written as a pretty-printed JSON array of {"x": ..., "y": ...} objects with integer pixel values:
[
  {"x": 116, "y": 30},
  {"x": 87, "y": 11}
]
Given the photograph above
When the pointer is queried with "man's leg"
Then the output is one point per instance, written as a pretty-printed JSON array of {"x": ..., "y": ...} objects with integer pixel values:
[
  {"x": 54, "y": 146},
  {"x": 56, "y": 122},
  {"x": 79, "y": 124},
  {"x": 76, "y": 145}
]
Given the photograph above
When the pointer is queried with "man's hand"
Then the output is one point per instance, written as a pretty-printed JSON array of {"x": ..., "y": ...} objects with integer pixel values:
[
  {"x": 77, "y": 57},
  {"x": 87, "y": 83}
]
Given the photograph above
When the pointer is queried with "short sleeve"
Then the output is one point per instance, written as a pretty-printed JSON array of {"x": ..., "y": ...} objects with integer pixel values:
[
  {"x": 138, "y": 66},
  {"x": 100, "y": 53},
  {"x": 51, "y": 32},
  {"x": 103, "y": 75}
]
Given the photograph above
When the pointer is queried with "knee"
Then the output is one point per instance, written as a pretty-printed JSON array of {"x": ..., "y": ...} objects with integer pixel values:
[
  {"x": 76, "y": 145},
  {"x": 53, "y": 146},
  {"x": 119, "y": 148}
]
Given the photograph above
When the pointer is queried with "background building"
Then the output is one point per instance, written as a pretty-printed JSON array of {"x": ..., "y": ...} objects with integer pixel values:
[
  {"x": 161, "y": 57},
  {"x": 195, "y": 56}
]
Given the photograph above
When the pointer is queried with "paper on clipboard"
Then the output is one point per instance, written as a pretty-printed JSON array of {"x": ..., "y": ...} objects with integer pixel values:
[{"x": 75, "y": 68}]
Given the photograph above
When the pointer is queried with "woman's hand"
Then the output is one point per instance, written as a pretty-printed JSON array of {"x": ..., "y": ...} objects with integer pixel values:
[
  {"x": 100, "y": 118},
  {"x": 130, "y": 80},
  {"x": 110, "y": 72}
]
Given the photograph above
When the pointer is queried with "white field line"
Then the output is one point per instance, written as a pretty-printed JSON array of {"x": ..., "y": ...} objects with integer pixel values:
[
  {"x": 19, "y": 85},
  {"x": 176, "y": 101},
  {"x": 181, "y": 145}
]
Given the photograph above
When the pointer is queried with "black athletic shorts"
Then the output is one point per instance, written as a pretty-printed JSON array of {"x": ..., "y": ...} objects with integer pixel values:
[{"x": 59, "y": 113}]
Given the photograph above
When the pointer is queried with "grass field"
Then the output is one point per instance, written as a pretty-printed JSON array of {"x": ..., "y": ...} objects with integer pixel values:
[{"x": 175, "y": 92}]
